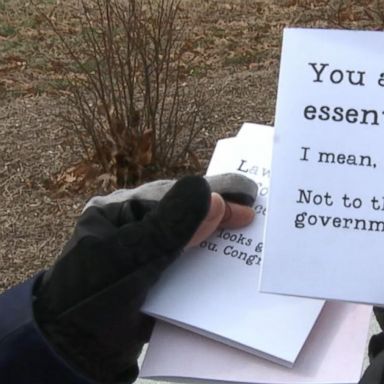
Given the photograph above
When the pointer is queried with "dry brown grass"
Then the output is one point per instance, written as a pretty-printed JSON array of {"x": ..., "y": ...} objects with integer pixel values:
[{"x": 234, "y": 34}]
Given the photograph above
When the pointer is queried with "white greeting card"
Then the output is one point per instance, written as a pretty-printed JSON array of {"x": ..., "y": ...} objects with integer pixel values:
[
  {"x": 333, "y": 354},
  {"x": 325, "y": 229}
]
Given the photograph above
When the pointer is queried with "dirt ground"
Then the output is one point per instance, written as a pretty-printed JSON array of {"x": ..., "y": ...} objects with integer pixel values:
[{"x": 238, "y": 44}]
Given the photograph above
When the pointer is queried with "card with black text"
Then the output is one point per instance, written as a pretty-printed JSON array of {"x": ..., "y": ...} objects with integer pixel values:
[{"x": 325, "y": 230}]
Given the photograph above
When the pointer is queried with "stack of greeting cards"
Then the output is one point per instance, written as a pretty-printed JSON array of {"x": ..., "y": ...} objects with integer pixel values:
[
  {"x": 213, "y": 290},
  {"x": 248, "y": 305}
]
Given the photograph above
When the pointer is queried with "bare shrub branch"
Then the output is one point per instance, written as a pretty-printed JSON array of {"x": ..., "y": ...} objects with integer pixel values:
[{"x": 133, "y": 106}]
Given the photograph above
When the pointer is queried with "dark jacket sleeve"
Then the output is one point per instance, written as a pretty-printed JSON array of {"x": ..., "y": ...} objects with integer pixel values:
[{"x": 26, "y": 357}]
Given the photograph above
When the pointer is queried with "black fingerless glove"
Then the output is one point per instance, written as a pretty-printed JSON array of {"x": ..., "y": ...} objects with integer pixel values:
[{"x": 88, "y": 303}]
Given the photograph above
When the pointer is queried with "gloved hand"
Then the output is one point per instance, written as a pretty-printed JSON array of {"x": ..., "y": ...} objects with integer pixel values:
[{"x": 88, "y": 303}]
